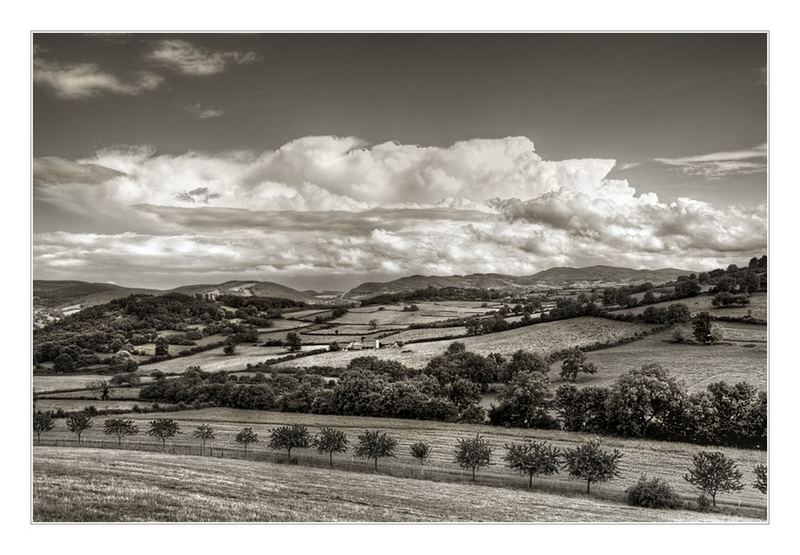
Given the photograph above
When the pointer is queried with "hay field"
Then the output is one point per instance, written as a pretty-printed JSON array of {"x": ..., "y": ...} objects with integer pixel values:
[
  {"x": 696, "y": 365},
  {"x": 541, "y": 338},
  {"x": 668, "y": 460},
  {"x": 99, "y": 485}
]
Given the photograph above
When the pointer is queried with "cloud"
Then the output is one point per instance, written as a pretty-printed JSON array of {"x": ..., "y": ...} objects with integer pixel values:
[
  {"x": 326, "y": 206},
  {"x": 76, "y": 81},
  {"x": 200, "y": 112},
  {"x": 718, "y": 165},
  {"x": 188, "y": 59}
]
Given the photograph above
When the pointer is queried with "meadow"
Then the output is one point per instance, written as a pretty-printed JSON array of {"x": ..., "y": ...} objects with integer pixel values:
[
  {"x": 668, "y": 460},
  {"x": 80, "y": 485},
  {"x": 702, "y": 303},
  {"x": 541, "y": 338}
]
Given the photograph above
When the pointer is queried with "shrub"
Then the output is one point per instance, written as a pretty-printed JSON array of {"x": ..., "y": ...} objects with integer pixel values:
[{"x": 653, "y": 493}]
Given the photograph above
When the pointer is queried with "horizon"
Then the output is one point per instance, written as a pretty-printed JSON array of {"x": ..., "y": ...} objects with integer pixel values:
[{"x": 325, "y": 161}]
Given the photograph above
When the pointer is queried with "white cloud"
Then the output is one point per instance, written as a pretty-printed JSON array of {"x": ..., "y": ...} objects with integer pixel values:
[
  {"x": 188, "y": 59},
  {"x": 84, "y": 80},
  {"x": 718, "y": 165},
  {"x": 322, "y": 206},
  {"x": 200, "y": 112}
]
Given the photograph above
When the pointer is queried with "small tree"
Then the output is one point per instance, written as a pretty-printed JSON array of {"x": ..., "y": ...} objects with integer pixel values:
[
  {"x": 473, "y": 453},
  {"x": 63, "y": 364},
  {"x": 120, "y": 427},
  {"x": 203, "y": 432},
  {"x": 289, "y": 437},
  {"x": 78, "y": 423},
  {"x": 534, "y": 458},
  {"x": 162, "y": 347},
  {"x": 373, "y": 324},
  {"x": 589, "y": 461},
  {"x": 375, "y": 445},
  {"x": 653, "y": 493},
  {"x": 163, "y": 428},
  {"x": 293, "y": 341},
  {"x": 575, "y": 363},
  {"x": 714, "y": 473},
  {"x": 330, "y": 441},
  {"x": 705, "y": 331},
  {"x": 229, "y": 349},
  {"x": 421, "y": 451},
  {"x": 246, "y": 437},
  {"x": 760, "y": 470},
  {"x": 42, "y": 422}
]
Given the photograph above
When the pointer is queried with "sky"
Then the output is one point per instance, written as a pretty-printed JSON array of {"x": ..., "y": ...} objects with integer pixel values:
[{"x": 325, "y": 160}]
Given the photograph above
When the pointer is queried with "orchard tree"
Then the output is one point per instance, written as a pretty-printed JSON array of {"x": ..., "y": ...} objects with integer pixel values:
[
  {"x": 42, "y": 422},
  {"x": 373, "y": 444},
  {"x": 714, "y": 473},
  {"x": 246, "y": 437},
  {"x": 120, "y": 427},
  {"x": 163, "y": 428},
  {"x": 330, "y": 441},
  {"x": 203, "y": 432},
  {"x": 421, "y": 451},
  {"x": 289, "y": 437},
  {"x": 534, "y": 458},
  {"x": 575, "y": 363},
  {"x": 760, "y": 470},
  {"x": 79, "y": 422},
  {"x": 293, "y": 341},
  {"x": 473, "y": 453},
  {"x": 590, "y": 462}
]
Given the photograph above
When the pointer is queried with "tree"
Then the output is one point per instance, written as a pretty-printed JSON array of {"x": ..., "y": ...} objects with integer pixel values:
[
  {"x": 203, "y": 432},
  {"x": 246, "y": 437},
  {"x": 79, "y": 422},
  {"x": 330, "y": 441},
  {"x": 523, "y": 361},
  {"x": 760, "y": 471},
  {"x": 534, "y": 458},
  {"x": 421, "y": 451},
  {"x": 230, "y": 348},
  {"x": 120, "y": 427},
  {"x": 373, "y": 444},
  {"x": 63, "y": 364},
  {"x": 643, "y": 398},
  {"x": 589, "y": 461},
  {"x": 473, "y": 453},
  {"x": 162, "y": 347},
  {"x": 705, "y": 331},
  {"x": 714, "y": 473},
  {"x": 42, "y": 422},
  {"x": 163, "y": 428},
  {"x": 575, "y": 363},
  {"x": 293, "y": 341},
  {"x": 524, "y": 402},
  {"x": 289, "y": 437},
  {"x": 373, "y": 324}
]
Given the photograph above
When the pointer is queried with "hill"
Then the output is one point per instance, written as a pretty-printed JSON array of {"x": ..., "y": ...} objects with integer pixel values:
[
  {"x": 56, "y": 294},
  {"x": 248, "y": 289},
  {"x": 542, "y": 280}
]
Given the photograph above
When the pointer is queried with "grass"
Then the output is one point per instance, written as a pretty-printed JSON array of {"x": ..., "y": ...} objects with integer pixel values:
[
  {"x": 702, "y": 303},
  {"x": 69, "y": 405},
  {"x": 80, "y": 485},
  {"x": 668, "y": 460},
  {"x": 214, "y": 360},
  {"x": 427, "y": 333},
  {"x": 696, "y": 365},
  {"x": 42, "y": 384},
  {"x": 542, "y": 338}
]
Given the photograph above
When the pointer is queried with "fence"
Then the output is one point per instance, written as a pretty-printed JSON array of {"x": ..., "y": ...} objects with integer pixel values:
[{"x": 387, "y": 466}]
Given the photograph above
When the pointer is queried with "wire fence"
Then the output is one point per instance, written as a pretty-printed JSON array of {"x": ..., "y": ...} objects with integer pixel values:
[{"x": 386, "y": 466}]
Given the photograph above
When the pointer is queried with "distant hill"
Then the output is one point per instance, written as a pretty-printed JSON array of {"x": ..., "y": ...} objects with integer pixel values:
[
  {"x": 248, "y": 289},
  {"x": 542, "y": 280}
]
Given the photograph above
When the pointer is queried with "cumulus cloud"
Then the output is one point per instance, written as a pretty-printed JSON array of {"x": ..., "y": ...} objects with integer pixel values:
[
  {"x": 322, "y": 206},
  {"x": 188, "y": 59},
  {"x": 718, "y": 165},
  {"x": 75, "y": 81}
]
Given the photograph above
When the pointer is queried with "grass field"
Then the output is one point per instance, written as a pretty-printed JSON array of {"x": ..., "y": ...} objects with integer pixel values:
[
  {"x": 542, "y": 338},
  {"x": 42, "y": 384},
  {"x": 427, "y": 333},
  {"x": 70, "y": 405},
  {"x": 668, "y": 460},
  {"x": 103, "y": 485},
  {"x": 757, "y": 307},
  {"x": 696, "y": 365}
]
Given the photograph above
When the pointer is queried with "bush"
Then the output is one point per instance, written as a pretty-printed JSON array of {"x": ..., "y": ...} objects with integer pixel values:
[{"x": 653, "y": 493}]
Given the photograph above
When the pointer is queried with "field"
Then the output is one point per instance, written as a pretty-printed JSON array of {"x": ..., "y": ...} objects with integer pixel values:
[
  {"x": 426, "y": 333},
  {"x": 69, "y": 405},
  {"x": 96, "y": 485},
  {"x": 542, "y": 338},
  {"x": 696, "y": 365},
  {"x": 757, "y": 307},
  {"x": 42, "y": 384},
  {"x": 668, "y": 460}
]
